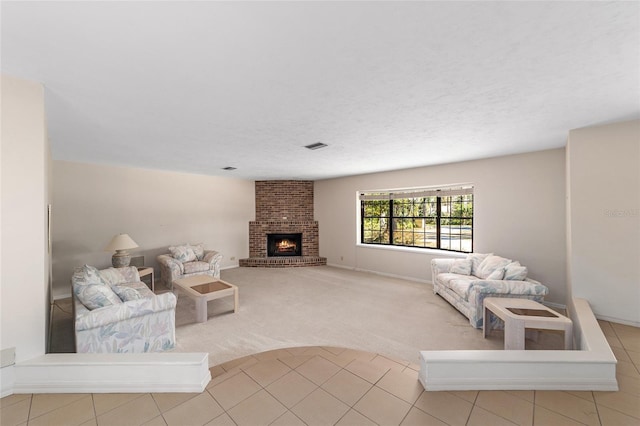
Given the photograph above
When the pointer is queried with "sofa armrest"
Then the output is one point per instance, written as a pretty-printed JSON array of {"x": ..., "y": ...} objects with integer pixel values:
[
  {"x": 439, "y": 266},
  {"x": 213, "y": 258},
  {"x": 131, "y": 309},
  {"x": 170, "y": 269},
  {"x": 165, "y": 259}
]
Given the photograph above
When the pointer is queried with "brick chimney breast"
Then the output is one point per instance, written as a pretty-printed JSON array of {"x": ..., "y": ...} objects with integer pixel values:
[
  {"x": 284, "y": 200},
  {"x": 283, "y": 207}
]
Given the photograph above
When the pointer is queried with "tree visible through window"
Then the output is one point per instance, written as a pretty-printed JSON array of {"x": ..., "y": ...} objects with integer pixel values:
[{"x": 429, "y": 218}]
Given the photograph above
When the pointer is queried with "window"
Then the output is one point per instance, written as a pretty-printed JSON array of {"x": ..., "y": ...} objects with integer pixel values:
[{"x": 429, "y": 218}]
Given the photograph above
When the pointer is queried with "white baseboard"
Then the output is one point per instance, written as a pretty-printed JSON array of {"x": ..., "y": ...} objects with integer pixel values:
[
  {"x": 618, "y": 320},
  {"x": 384, "y": 274},
  {"x": 592, "y": 367},
  {"x": 111, "y": 373},
  {"x": 7, "y": 379},
  {"x": 237, "y": 265}
]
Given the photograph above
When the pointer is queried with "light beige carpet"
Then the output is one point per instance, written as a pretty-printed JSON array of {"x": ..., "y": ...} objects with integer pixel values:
[{"x": 325, "y": 306}]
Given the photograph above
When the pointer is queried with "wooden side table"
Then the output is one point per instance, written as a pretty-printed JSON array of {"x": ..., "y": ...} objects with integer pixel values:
[
  {"x": 520, "y": 314},
  {"x": 143, "y": 271}
]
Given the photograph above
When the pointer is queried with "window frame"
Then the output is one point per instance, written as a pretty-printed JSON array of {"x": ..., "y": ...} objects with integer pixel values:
[{"x": 440, "y": 219}]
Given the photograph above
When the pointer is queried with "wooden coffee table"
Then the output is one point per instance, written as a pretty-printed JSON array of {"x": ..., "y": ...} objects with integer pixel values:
[
  {"x": 203, "y": 288},
  {"x": 520, "y": 314}
]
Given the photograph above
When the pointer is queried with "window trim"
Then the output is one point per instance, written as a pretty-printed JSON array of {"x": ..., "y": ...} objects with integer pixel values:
[
  {"x": 413, "y": 249},
  {"x": 390, "y": 195}
]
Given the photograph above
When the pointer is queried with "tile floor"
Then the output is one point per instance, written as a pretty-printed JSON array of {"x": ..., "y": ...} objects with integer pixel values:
[{"x": 336, "y": 386}]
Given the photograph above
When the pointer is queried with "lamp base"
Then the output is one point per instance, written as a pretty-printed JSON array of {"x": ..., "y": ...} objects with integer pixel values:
[{"x": 121, "y": 260}]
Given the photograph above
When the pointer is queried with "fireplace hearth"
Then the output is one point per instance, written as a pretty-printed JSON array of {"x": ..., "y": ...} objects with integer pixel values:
[{"x": 284, "y": 245}]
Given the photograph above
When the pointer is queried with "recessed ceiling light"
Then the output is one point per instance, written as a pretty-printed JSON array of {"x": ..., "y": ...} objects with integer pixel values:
[
  {"x": 316, "y": 145},
  {"x": 229, "y": 168}
]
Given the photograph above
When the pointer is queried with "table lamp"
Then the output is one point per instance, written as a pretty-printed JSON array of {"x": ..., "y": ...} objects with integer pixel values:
[{"x": 121, "y": 243}]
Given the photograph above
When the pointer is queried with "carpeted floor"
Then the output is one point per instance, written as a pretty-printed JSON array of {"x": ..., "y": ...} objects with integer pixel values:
[
  {"x": 317, "y": 306},
  {"x": 325, "y": 306}
]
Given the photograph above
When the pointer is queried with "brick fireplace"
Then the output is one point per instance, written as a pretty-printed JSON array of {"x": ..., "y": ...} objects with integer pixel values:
[{"x": 283, "y": 207}]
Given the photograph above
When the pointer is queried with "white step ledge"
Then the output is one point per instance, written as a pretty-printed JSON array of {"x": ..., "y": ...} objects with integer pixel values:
[
  {"x": 591, "y": 368},
  {"x": 113, "y": 373}
]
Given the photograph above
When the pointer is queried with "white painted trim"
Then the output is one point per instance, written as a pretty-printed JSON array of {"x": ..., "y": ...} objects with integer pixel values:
[
  {"x": 7, "y": 379},
  {"x": 384, "y": 274},
  {"x": 110, "y": 373},
  {"x": 402, "y": 277},
  {"x": 591, "y": 368},
  {"x": 234, "y": 266},
  {"x": 421, "y": 250},
  {"x": 333, "y": 265},
  {"x": 618, "y": 320}
]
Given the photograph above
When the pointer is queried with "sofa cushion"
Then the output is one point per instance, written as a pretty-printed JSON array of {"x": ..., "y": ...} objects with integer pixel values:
[
  {"x": 126, "y": 293},
  {"x": 90, "y": 289},
  {"x": 115, "y": 276},
  {"x": 461, "y": 266},
  {"x": 447, "y": 278},
  {"x": 89, "y": 275},
  {"x": 183, "y": 253},
  {"x": 140, "y": 287},
  {"x": 461, "y": 287},
  {"x": 489, "y": 265},
  {"x": 198, "y": 250},
  {"x": 95, "y": 296},
  {"x": 515, "y": 272},
  {"x": 193, "y": 267},
  {"x": 476, "y": 260},
  {"x": 497, "y": 274}
]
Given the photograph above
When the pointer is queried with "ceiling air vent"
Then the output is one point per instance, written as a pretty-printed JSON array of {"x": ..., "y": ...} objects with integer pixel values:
[
  {"x": 228, "y": 168},
  {"x": 317, "y": 145}
]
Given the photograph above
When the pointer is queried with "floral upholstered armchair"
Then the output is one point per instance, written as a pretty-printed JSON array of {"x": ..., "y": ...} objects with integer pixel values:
[{"x": 187, "y": 260}]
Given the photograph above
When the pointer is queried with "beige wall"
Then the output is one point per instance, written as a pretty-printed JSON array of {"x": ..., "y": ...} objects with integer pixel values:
[
  {"x": 519, "y": 213},
  {"x": 24, "y": 268},
  {"x": 92, "y": 203},
  {"x": 604, "y": 214}
]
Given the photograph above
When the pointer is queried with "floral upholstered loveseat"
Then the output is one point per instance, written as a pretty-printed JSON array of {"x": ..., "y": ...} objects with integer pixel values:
[
  {"x": 116, "y": 312},
  {"x": 465, "y": 283},
  {"x": 187, "y": 260}
]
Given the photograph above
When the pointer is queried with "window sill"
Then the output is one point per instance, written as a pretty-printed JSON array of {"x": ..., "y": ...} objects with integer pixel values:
[{"x": 428, "y": 251}]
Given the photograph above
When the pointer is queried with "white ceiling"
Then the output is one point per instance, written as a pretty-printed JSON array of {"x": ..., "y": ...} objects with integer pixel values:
[{"x": 197, "y": 86}]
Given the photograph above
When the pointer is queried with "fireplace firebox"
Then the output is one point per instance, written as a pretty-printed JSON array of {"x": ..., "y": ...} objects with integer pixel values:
[{"x": 284, "y": 245}]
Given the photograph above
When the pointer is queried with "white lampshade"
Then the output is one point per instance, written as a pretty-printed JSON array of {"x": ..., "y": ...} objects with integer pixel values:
[{"x": 121, "y": 242}]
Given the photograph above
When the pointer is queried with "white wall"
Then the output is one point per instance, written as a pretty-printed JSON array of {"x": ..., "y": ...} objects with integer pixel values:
[
  {"x": 519, "y": 214},
  {"x": 24, "y": 267},
  {"x": 92, "y": 203},
  {"x": 603, "y": 188}
]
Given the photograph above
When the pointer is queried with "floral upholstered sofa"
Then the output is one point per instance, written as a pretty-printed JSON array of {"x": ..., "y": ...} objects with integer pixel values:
[
  {"x": 116, "y": 312},
  {"x": 186, "y": 260},
  {"x": 465, "y": 283}
]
